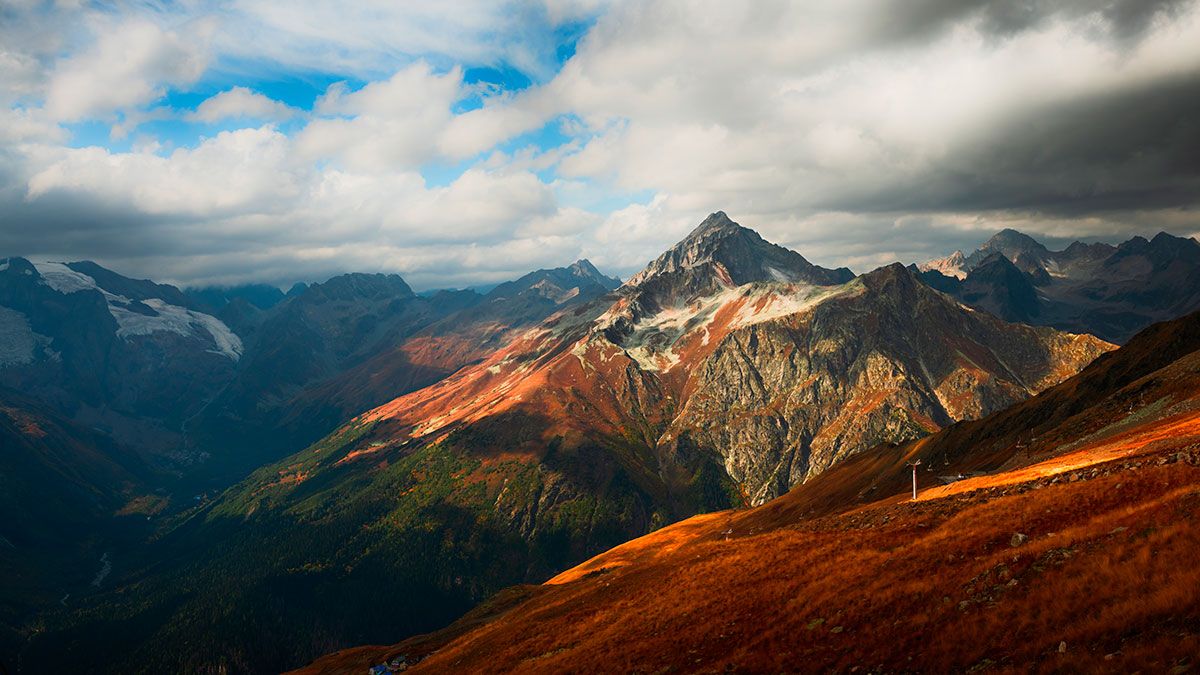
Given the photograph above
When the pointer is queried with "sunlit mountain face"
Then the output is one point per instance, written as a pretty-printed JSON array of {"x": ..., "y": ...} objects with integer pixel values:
[
  {"x": 581, "y": 336},
  {"x": 1055, "y": 508}
]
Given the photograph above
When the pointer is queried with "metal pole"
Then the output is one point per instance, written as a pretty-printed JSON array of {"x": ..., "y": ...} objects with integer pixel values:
[{"x": 914, "y": 466}]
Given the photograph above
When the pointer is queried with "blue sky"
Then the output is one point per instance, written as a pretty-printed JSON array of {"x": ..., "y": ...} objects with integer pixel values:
[{"x": 462, "y": 143}]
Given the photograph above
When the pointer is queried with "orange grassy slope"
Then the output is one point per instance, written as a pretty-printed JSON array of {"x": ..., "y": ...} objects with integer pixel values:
[
  {"x": 1106, "y": 580},
  {"x": 1072, "y": 546}
]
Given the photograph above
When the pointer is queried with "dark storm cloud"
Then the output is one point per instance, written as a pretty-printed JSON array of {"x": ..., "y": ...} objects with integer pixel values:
[
  {"x": 1127, "y": 19},
  {"x": 917, "y": 19},
  {"x": 64, "y": 224},
  {"x": 69, "y": 224},
  {"x": 1132, "y": 18},
  {"x": 1135, "y": 149}
]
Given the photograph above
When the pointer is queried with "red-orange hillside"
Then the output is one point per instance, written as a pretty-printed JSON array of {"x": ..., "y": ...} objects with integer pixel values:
[{"x": 1073, "y": 548}]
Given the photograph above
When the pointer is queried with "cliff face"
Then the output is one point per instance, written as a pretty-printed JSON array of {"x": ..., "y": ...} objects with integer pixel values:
[
  {"x": 131, "y": 357},
  {"x": 891, "y": 361}
]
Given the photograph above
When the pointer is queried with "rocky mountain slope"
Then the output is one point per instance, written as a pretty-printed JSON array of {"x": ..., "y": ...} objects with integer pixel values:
[
  {"x": 242, "y": 308},
  {"x": 315, "y": 335},
  {"x": 725, "y": 373},
  {"x": 216, "y": 298},
  {"x": 335, "y": 349},
  {"x": 56, "y": 477},
  {"x": 217, "y": 381},
  {"x": 774, "y": 369},
  {"x": 1060, "y": 529},
  {"x": 1108, "y": 291}
]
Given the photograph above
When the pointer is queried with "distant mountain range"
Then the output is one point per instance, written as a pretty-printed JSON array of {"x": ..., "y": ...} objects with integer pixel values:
[
  {"x": 180, "y": 375},
  {"x": 1109, "y": 291},
  {"x": 269, "y": 462},
  {"x": 726, "y": 372}
]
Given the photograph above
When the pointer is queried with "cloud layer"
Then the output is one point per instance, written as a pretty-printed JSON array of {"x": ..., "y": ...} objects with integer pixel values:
[{"x": 859, "y": 133}]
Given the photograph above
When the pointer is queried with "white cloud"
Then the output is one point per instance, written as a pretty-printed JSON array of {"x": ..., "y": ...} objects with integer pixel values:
[
  {"x": 368, "y": 38},
  {"x": 386, "y": 125},
  {"x": 783, "y": 114},
  {"x": 242, "y": 103},
  {"x": 630, "y": 237},
  {"x": 20, "y": 126},
  {"x": 130, "y": 64},
  {"x": 248, "y": 198},
  {"x": 236, "y": 171},
  {"x": 564, "y": 11},
  {"x": 479, "y": 130}
]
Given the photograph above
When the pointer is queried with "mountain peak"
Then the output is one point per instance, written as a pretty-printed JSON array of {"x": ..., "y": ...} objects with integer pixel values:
[
  {"x": 1097, "y": 250},
  {"x": 715, "y": 222},
  {"x": 558, "y": 284},
  {"x": 952, "y": 265},
  {"x": 1165, "y": 239},
  {"x": 359, "y": 285},
  {"x": 583, "y": 266},
  {"x": 1160, "y": 250},
  {"x": 994, "y": 260},
  {"x": 721, "y": 252},
  {"x": 892, "y": 275},
  {"x": 1001, "y": 287},
  {"x": 17, "y": 265},
  {"x": 584, "y": 269},
  {"x": 1011, "y": 243},
  {"x": 134, "y": 289}
]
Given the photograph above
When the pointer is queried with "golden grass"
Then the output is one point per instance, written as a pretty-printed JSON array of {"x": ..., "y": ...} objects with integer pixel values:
[
  {"x": 935, "y": 586},
  {"x": 1182, "y": 429},
  {"x": 1104, "y": 577}
]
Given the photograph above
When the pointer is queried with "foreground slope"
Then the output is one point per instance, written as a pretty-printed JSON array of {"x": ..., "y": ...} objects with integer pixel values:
[{"x": 1068, "y": 544}]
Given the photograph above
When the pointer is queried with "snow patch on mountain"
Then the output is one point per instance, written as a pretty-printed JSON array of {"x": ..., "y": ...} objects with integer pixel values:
[
  {"x": 179, "y": 320},
  {"x": 64, "y": 279},
  {"x": 167, "y": 318},
  {"x": 653, "y": 338},
  {"x": 779, "y": 275},
  {"x": 768, "y": 304},
  {"x": 650, "y": 359}
]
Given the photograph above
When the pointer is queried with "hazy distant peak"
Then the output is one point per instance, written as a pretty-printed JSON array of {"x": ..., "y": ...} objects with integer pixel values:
[{"x": 584, "y": 269}]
